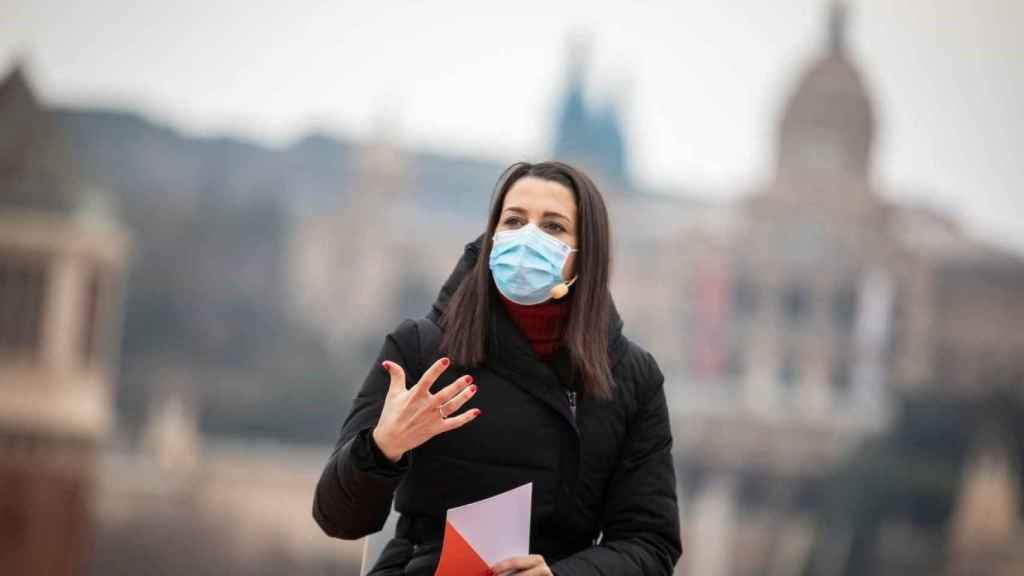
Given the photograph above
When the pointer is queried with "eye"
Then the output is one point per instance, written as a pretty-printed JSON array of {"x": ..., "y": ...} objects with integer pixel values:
[
  {"x": 512, "y": 221},
  {"x": 554, "y": 227}
]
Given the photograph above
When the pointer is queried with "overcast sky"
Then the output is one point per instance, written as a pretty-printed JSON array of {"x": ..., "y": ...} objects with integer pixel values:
[{"x": 701, "y": 83}]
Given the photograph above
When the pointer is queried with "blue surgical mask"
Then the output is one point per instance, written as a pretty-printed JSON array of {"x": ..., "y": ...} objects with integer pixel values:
[{"x": 526, "y": 263}]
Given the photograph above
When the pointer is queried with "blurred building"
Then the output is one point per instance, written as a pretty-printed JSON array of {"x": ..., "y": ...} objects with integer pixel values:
[
  {"x": 205, "y": 506},
  {"x": 589, "y": 134},
  {"x": 361, "y": 266},
  {"x": 61, "y": 260},
  {"x": 812, "y": 304}
]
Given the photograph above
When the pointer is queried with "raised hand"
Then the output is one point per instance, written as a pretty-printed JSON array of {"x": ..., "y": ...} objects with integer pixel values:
[{"x": 412, "y": 416}]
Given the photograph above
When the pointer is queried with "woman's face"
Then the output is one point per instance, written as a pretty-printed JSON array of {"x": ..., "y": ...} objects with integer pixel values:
[{"x": 549, "y": 206}]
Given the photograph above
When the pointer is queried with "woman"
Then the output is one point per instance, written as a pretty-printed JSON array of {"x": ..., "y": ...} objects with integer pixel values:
[{"x": 519, "y": 374}]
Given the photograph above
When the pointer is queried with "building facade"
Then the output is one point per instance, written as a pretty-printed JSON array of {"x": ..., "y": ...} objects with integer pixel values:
[
  {"x": 813, "y": 304},
  {"x": 61, "y": 261}
]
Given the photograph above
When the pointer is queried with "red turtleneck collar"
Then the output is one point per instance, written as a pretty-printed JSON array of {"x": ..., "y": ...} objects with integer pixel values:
[{"x": 542, "y": 324}]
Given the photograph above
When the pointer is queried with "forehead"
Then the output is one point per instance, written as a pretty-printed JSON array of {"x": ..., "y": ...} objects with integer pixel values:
[{"x": 538, "y": 195}]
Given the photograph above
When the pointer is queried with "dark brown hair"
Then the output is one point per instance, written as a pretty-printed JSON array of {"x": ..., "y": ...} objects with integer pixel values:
[{"x": 466, "y": 319}]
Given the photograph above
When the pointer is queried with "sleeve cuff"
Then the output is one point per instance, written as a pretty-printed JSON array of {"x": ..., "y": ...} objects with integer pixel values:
[{"x": 369, "y": 457}]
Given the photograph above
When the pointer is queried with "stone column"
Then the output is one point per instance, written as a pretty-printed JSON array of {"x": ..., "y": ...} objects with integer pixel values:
[{"x": 62, "y": 314}]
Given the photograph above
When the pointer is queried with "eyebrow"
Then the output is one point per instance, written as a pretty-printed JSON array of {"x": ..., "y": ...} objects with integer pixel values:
[{"x": 522, "y": 211}]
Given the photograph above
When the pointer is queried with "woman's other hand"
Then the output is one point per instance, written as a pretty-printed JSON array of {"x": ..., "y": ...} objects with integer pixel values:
[
  {"x": 532, "y": 565},
  {"x": 412, "y": 416}
]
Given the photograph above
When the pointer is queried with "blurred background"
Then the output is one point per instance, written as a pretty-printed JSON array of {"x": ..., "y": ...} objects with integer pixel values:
[{"x": 212, "y": 213}]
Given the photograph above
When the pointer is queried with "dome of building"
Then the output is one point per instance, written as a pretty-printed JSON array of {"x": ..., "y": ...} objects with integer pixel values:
[{"x": 828, "y": 123}]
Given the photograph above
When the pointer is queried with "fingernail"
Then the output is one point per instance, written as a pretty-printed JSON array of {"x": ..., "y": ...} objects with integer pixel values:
[
  {"x": 472, "y": 389},
  {"x": 445, "y": 361},
  {"x": 476, "y": 412},
  {"x": 384, "y": 364},
  {"x": 469, "y": 379}
]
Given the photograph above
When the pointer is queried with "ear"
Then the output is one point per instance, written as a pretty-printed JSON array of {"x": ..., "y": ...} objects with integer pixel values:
[{"x": 569, "y": 268}]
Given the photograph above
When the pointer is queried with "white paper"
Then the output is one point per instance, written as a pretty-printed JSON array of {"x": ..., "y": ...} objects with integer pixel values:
[{"x": 498, "y": 527}]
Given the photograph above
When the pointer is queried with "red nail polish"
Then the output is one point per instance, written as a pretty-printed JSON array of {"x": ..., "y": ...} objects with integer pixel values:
[
  {"x": 384, "y": 364},
  {"x": 444, "y": 362},
  {"x": 472, "y": 389},
  {"x": 476, "y": 412},
  {"x": 469, "y": 379}
]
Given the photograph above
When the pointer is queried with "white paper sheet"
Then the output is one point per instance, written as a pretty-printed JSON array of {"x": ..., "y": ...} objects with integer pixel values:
[{"x": 497, "y": 527}]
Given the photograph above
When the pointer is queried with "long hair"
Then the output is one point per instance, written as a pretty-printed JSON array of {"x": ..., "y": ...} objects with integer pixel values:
[{"x": 467, "y": 317}]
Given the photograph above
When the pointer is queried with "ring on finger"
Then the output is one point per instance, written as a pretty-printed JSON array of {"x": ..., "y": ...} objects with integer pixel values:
[{"x": 440, "y": 410}]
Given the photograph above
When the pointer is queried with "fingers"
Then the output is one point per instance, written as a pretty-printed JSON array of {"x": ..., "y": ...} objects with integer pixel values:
[
  {"x": 520, "y": 563},
  {"x": 397, "y": 377},
  {"x": 453, "y": 422},
  {"x": 454, "y": 389},
  {"x": 452, "y": 406},
  {"x": 431, "y": 375}
]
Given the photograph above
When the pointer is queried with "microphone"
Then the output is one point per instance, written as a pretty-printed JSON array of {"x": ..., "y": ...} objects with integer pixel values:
[{"x": 558, "y": 291}]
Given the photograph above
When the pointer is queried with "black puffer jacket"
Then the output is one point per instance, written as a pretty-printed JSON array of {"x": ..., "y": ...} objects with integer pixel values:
[{"x": 604, "y": 496}]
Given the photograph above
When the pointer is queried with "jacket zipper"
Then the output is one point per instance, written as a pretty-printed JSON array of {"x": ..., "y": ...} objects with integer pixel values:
[{"x": 572, "y": 402}]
